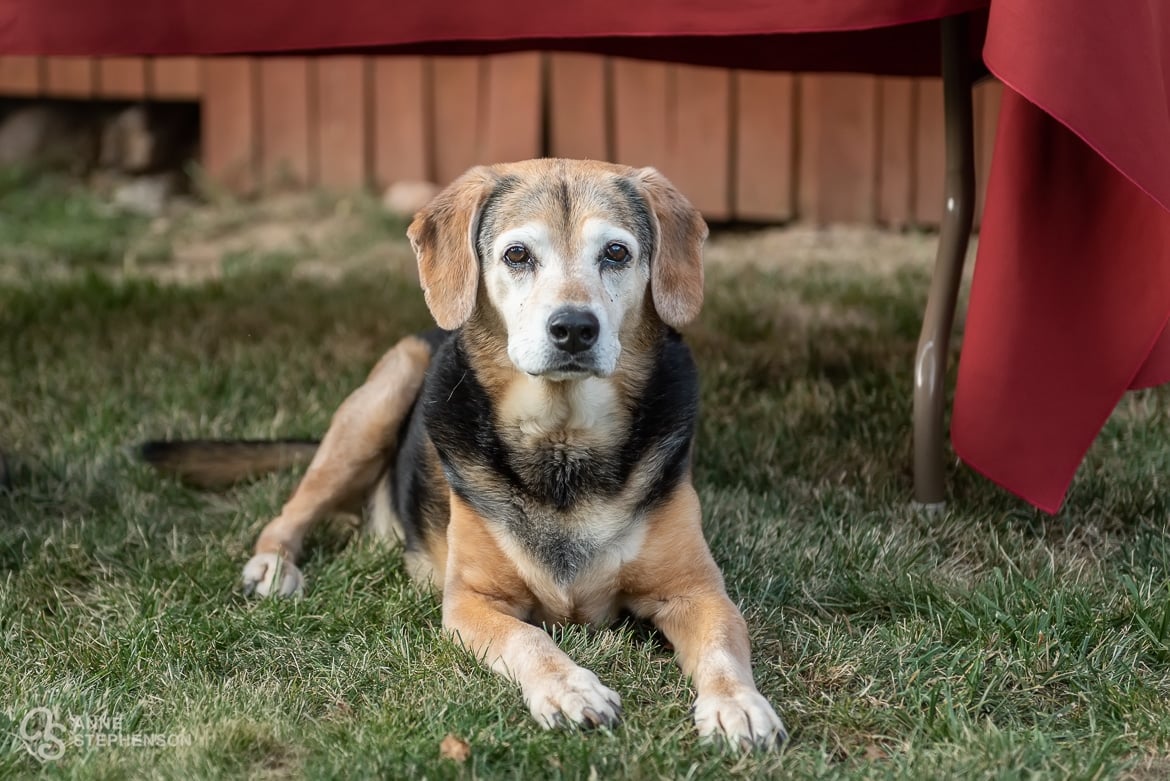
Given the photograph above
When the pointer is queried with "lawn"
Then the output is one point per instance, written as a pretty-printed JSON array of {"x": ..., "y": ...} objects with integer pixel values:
[{"x": 989, "y": 641}]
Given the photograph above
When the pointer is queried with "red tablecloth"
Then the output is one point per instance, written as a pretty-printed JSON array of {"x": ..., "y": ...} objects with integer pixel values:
[
  {"x": 1071, "y": 295},
  {"x": 1072, "y": 286}
]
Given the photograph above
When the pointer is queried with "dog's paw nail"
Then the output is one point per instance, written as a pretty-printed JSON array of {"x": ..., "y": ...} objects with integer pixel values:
[
  {"x": 744, "y": 720},
  {"x": 270, "y": 574},
  {"x": 577, "y": 698}
]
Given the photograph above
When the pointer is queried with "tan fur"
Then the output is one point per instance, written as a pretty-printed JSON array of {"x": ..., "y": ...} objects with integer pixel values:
[
  {"x": 443, "y": 237},
  {"x": 351, "y": 455},
  {"x": 676, "y": 583},
  {"x": 485, "y": 602},
  {"x": 677, "y": 268}
]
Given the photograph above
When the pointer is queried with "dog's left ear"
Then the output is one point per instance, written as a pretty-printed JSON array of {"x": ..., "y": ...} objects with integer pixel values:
[
  {"x": 443, "y": 235},
  {"x": 676, "y": 270}
]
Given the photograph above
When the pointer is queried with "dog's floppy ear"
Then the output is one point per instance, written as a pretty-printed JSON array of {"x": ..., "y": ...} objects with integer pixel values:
[
  {"x": 443, "y": 235},
  {"x": 676, "y": 270}
]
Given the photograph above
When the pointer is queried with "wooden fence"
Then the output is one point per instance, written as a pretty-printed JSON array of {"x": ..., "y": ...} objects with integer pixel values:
[{"x": 743, "y": 145}]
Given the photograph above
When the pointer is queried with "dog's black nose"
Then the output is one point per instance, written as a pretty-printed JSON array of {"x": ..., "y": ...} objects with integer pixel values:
[{"x": 573, "y": 330}]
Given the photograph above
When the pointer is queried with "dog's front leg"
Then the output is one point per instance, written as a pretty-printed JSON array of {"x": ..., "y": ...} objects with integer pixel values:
[
  {"x": 349, "y": 459},
  {"x": 484, "y": 599},
  {"x": 677, "y": 584}
]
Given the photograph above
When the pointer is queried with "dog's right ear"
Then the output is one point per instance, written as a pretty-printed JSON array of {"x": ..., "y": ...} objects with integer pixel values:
[{"x": 443, "y": 235}]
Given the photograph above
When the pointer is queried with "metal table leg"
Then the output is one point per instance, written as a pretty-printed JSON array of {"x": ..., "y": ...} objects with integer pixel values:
[{"x": 930, "y": 365}]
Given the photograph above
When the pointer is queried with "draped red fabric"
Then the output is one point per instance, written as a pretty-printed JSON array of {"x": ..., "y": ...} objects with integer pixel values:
[
  {"x": 1071, "y": 292},
  {"x": 1071, "y": 296}
]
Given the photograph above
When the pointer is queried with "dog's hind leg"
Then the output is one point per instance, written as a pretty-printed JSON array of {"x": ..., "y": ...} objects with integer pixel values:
[{"x": 349, "y": 460}]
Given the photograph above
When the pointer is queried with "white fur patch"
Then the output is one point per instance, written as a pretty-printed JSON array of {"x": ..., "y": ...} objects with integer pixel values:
[
  {"x": 381, "y": 520},
  {"x": 527, "y": 298},
  {"x": 585, "y": 408},
  {"x": 744, "y": 719},
  {"x": 577, "y": 698},
  {"x": 557, "y": 692},
  {"x": 270, "y": 574}
]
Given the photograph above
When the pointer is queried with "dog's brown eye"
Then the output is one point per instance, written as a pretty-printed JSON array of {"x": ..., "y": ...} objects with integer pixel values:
[
  {"x": 517, "y": 255},
  {"x": 616, "y": 253}
]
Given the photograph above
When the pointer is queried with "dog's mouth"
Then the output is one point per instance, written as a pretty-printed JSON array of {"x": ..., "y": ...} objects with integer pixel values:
[{"x": 569, "y": 370}]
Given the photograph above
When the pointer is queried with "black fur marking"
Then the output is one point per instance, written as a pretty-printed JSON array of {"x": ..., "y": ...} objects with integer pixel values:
[
  {"x": 434, "y": 338},
  {"x": 421, "y": 506},
  {"x": 487, "y": 218},
  {"x": 640, "y": 213},
  {"x": 531, "y": 493}
]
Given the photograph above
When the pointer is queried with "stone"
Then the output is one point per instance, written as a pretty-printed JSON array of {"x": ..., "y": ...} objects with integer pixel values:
[
  {"x": 405, "y": 198},
  {"x": 47, "y": 135},
  {"x": 147, "y": 195},
  {"x": 142, "y": 138}
]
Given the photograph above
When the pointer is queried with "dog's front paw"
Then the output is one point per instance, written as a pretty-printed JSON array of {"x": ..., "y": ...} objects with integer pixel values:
[
  {"x": 576, "y": 698},
  {"x": 744, "y": 719},
  {"x": 270, "y": 574}
]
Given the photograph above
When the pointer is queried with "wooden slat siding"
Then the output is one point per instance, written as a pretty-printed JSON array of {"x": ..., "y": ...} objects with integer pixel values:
[
  {"x": 638, "y": 112},
  {"x": 700, "y": 151},
  {"x": 929, "y": 152},
  {"x": 578, "y": 103},
  {"x": 763, "y": 148},
  {"x": 458, "y": 115},
  {"x": 342, "y": 139},
  {"x": 121, "y": 77},
  {"x": 20, "y": 75},
  {"x": 229, "y": 122},
  {"x": 641, "y": 113},
  {"x": 401, "y": 137},
  {"x": 895, "y": 152},
  {"x": 838, "y": 157},
  {"x": 70, "y": 77},
  {"x": 987, "y": 96},
  {"x": 284, "y": 121},
  {"x": 513, "y": 111},
  {"x": 174, "y": 78}
]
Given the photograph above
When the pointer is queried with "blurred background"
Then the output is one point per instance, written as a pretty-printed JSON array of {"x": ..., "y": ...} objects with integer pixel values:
[{"x": 746, "y": 147}]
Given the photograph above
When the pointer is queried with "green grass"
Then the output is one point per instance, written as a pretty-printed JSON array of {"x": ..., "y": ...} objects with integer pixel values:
[
  {"x": 47, "y": 220},
  {"x": 989, "y": 641}
]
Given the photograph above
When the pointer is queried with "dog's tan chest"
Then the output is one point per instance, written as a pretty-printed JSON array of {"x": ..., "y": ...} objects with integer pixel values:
[
  {"x": 585, "y": 412},
  {"x": 593, "y": 595}
]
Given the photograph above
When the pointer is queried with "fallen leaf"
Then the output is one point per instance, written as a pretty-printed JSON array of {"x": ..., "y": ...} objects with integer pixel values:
[{"x": 454, "y": 748}]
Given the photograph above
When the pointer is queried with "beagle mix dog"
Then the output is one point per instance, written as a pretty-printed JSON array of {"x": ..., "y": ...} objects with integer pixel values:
[{"x": 533, "y": 454}]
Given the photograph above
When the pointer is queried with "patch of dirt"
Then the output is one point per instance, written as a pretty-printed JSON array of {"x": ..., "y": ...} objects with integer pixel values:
[
  {"x": 313, "y": 235},
  {"x": 799, "y": 247}
]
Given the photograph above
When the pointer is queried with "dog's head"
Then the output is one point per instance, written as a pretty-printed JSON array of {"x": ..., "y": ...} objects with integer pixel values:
[{"x": 565, "y": 252}]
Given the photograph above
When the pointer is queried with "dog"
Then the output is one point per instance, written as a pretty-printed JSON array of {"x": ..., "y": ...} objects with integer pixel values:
[{"x": 533, "y": 454}]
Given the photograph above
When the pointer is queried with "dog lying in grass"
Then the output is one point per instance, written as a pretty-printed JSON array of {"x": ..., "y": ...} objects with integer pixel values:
[{"x": 533, "y": 454}]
